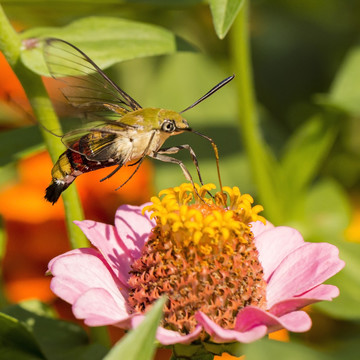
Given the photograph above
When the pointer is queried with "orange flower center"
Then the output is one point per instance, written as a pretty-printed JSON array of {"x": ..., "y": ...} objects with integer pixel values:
[{"x": 202, "y": 255}]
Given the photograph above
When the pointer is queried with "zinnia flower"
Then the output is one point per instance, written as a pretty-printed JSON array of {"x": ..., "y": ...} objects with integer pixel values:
[{"x": 228, "y": 276}]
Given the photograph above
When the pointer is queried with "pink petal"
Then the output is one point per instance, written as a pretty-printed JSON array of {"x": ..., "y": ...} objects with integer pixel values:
[
  {"x": 169, "y": 337},
  {"x": 98, "y": 307},
  {"x": 296, "y": 321},
  {"x": 89, "y": 251},
  {"x": 106, "y": 239},
  {"x": 133, "y": 227},
  {"x": 302, "y": 270},
  {"x": 319, "y": 293},
  {"x": 77, "y": 273},
  {"x": 250, "y": 317},
  {"x": 219, "y": 334},
  {"x": 258, "y": 227},
  {"x": 274, "y": 245}
]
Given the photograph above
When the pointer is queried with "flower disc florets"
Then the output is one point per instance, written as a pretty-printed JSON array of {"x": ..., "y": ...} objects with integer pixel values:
[{"x": 202, "y": 255}]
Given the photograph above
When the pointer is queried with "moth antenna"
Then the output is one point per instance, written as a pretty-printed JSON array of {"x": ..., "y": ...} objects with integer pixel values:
[{"x": 209, "y": 93}]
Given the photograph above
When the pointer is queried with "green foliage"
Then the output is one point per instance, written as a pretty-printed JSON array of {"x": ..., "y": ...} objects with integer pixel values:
[
  {"x": 18, "y": 143},
  {"x": 224, "y": 13},
  {"x": 105, "y": 40},
  {"x": 326, "y": 215},
  {"x": 326, "y": 211},
  {"x": 16, "y": 341},
  {"x": 139, "y": 344},
  {"x": 346, "y": 305},
  {"x": 305, "y": 151},
  {"x": 267, "y": 349},
  {"x": 345, "y": 89},
  {"x": 30, "y": 328}
]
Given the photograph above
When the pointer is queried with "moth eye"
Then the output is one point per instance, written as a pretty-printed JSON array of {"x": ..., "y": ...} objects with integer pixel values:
[{"x": 168, "y": 126}]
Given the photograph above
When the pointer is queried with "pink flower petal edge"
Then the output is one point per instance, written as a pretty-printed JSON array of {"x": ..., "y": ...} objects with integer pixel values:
[
  {"x": 69, "y": 253},
  {"x": 105, "y": 238},
  {"x": 98, "y": 307},
  {"x": 220, "y": 335},
  {"x": 169, "y": 337},
  {"x": 133, "y": 227},
  {"x": 250, "y": 317},
  {"x": 303, "y": 269},
  {"x": 274, "y": 244},
  {"x": 258, "y": 227},
  {"x": 77, "y": 273},
  {"x": 320, "y": 293}
]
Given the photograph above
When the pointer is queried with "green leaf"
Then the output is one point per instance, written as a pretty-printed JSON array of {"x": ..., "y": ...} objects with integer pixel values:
[
  {"x": 105, "y": 40},
  {"x": 327, "y": 211},
  {"x": 268, "y": 350},
  {"x": 346, "y": 305},
  {"x": 327, "y": 214},
  {"x": 346, "y": 87},
  {"x": 57, "y": 339},
  {"x": 305, "y": 151},
  {"x": 17, "y": 143},
  {"x": 38, "y": 308},
  {"x": 139, "y": 344},
  {"x": 224, "y": 13},
  {"x": 16, "y": 341}
]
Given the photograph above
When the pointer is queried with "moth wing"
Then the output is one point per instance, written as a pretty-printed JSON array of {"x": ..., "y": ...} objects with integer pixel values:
[
  {"x": 84, "y": 84},
  {"x": 98, "y": 143}
]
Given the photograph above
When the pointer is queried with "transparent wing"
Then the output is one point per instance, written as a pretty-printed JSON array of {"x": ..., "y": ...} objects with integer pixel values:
[{"x": 84, "y": 84}]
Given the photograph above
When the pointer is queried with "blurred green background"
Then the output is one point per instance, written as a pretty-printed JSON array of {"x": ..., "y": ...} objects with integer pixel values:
[{"x": 306, "y": 70}]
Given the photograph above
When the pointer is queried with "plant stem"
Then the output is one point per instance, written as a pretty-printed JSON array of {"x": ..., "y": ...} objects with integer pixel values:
[
  {"x": 262, "y": 164},
  {"x": 10, "y": 45},
  {"x": 9, "y": 41}
]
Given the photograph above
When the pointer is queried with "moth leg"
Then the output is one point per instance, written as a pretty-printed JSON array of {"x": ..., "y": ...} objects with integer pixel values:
[
  {"x": 176, "y": 149},
  {"x": 185, "y": 171},
  {"x": 133, "y": 173},
  {"x": 112, "y": 173},
  {"x": 138, "y": 162},
  {"x": 135, "y": 163}
]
